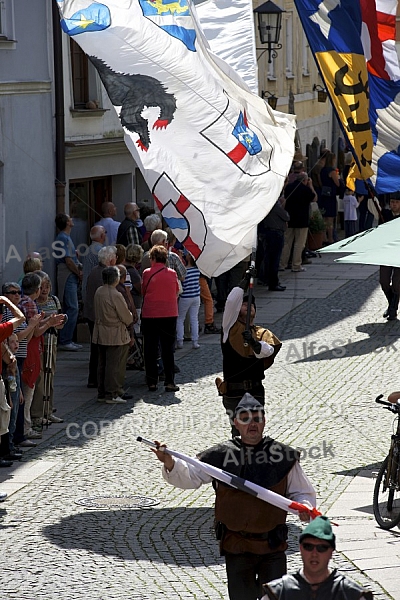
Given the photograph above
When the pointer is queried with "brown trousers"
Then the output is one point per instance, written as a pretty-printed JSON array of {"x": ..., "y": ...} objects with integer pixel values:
[{"x": 111, "y": 370}]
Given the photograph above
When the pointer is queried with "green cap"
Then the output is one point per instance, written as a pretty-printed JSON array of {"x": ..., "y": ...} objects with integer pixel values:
[{"x": 321, "y": 529}]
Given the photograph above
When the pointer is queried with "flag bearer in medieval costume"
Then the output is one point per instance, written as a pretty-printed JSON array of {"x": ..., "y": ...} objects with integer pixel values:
[
  {"x": 247, "y": 351},
  {"x": 252, "y": 532}
]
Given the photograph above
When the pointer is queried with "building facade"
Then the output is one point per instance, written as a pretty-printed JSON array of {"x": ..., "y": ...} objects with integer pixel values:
[
  {"x": 98, "y": 166},
  {"x": 61, "y": 142},
  {"x": 292, "y": 77},
  {"x": 27, "y": 163}
]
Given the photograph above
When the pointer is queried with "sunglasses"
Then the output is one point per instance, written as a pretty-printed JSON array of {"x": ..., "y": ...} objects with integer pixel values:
[
  {"x": 245, "y": 419},
  {"x": 14, "y": 292},
  {"x": 320, "y": 548}
]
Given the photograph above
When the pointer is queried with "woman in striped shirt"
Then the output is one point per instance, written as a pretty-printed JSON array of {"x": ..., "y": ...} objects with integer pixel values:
[{"x": 189, "y": 302}]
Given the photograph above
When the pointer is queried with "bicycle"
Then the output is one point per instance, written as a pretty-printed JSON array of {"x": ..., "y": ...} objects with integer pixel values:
[{"x": 386, "y": 503}]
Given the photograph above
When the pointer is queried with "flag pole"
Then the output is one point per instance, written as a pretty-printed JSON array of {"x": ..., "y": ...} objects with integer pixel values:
[
  {"x": 251, "y": 282},
  {"x": 238, "y": 482},
  {"x": 373, "y": 195}
]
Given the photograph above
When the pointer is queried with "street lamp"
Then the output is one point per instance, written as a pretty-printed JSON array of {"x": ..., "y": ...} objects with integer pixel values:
[
  {"x": 270, "y": 98},
  {"x": 322, "y": 94},
  {"x": 269, "y": 25}
]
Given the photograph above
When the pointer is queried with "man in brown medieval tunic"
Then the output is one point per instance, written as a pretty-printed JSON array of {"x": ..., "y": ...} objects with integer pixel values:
[{"x": 252, "y": 532}]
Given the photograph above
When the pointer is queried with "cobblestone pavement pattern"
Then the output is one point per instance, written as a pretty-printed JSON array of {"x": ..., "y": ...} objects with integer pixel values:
[{"x": 337, "y": 355}]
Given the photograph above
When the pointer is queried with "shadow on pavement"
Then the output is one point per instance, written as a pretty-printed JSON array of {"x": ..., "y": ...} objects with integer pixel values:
[
  {"x": 318, "y": 313},
  {"x": 383, "y": 338},
  {"x": 356, "y": 470},
  {"x": 181, "y": 536}
]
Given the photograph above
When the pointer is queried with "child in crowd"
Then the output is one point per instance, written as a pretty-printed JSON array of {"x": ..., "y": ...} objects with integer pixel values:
[
  {"x": 189, "y": 302},
  {"x": 350, "y": 205}
]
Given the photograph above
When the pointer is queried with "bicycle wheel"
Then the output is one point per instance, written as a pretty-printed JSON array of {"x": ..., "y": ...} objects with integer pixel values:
[
  {"x": 135, "y": 358},
  {"x": 386, "y": 498}
]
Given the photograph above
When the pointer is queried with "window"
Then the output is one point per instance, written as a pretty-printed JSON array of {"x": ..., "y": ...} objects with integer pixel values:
[
  {"x": 289, "y": 45},
  {"x": 85, "y": 85},
  {"x": 80, "y": 76},
  {"x": 7, "y": 30}
]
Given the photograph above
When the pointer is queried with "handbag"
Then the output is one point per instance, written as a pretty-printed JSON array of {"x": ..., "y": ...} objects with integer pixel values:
[{"x": 326, "y": 191}]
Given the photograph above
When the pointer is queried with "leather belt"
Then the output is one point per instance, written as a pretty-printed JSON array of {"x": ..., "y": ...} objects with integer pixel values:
[
  {"x": 254, "y": 536},
  {"x": 246, "y": 385}
]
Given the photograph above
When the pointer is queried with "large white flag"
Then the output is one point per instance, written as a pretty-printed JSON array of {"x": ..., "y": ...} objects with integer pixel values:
[
  {"x": 213, "y": 154},
  {"x": 228, "y": 26}
]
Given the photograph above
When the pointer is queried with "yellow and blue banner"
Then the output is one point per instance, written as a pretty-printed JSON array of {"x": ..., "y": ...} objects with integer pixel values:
[
  {"x": 354, "y": 44},
  {"x": 334, "y": 32}
]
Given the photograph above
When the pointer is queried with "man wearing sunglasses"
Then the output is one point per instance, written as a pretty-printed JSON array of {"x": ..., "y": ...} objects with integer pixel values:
[
  {"x": 316, "y": 581},
  {"x": 252, "y": 533}
]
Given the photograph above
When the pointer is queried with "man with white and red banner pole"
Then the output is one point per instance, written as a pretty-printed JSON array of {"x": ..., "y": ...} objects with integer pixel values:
[{"x": 257, "y": 480}]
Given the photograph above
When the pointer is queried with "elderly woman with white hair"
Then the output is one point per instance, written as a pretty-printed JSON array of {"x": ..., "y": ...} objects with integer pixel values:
[
  {"x": 112, "y": 337},
  {"x": 159, "y": 237},
  {"x": 151, "y": 222}
]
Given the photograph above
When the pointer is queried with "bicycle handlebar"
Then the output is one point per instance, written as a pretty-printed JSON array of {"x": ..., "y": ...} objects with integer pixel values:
[
  {"x": 379, "y": 401},
  {"x": 394, "y": 408}
]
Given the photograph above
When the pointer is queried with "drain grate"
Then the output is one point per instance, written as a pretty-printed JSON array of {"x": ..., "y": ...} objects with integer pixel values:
[{"x": 117, "y": 502}]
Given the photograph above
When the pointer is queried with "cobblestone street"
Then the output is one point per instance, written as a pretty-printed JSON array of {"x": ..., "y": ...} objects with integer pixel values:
[{"x": 338, "y": 354}]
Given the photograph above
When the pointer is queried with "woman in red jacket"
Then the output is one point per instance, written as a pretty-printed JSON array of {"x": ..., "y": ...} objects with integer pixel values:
[{"x": 160, "y": 291}]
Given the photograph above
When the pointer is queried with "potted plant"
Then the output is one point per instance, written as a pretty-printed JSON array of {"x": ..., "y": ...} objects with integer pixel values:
[{"x": 316, "y": 231}]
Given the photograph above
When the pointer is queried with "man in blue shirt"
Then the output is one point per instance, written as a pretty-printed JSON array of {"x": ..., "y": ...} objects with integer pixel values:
[{"x": 69, "y": 274}]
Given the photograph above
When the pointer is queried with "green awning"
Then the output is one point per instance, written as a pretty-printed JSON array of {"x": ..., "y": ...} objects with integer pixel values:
[{"x": 378, "y": 246}]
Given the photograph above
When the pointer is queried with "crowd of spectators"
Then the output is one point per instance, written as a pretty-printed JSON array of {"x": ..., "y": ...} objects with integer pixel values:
[
  {"x": 28, "y": 358},
  {"x": 117, "y": 291},
  {"x": 138, "y": 290},
  {"x": 317, "y": 207}
]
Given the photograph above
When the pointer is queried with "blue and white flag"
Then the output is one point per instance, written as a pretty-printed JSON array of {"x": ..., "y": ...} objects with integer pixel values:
[
  {"x": 173, "y": 16},
  {"x": 214, "y": 155}
]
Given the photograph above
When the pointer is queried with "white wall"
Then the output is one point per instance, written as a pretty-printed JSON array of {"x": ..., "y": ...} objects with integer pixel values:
[{"x": 26, "y": 134}]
